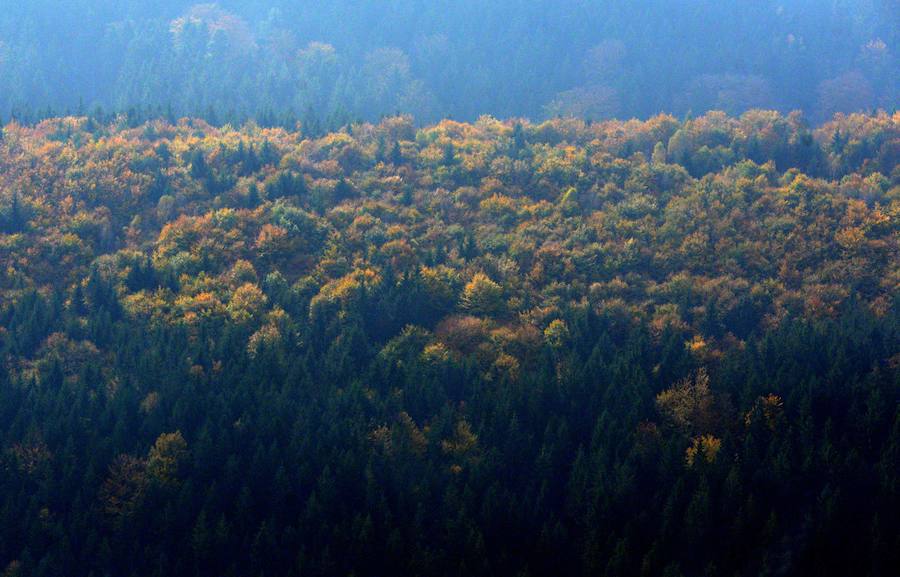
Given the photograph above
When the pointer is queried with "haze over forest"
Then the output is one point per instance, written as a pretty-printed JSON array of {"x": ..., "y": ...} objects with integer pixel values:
[{"x": 329, "y": 63}]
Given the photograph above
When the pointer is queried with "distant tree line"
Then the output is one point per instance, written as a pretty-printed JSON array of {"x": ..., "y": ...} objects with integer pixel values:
[{"x": 276, "y": 60}]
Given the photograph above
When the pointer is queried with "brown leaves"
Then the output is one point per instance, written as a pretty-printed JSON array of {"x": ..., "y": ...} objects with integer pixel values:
[
  {"x": 124, "y": 487},
  {"x": 129, "y": 477}
]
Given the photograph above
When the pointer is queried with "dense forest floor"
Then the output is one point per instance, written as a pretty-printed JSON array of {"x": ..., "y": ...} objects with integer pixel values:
[{"x": 621, "y": 348}]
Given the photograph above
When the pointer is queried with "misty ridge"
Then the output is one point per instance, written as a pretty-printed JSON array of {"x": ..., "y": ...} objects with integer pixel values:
[{"x": 328, "y": 64}]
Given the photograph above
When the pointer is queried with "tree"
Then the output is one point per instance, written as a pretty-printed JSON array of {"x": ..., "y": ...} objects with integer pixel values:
[
  {"x": 482, "y": 296},
  {"x": 659, "y": 153},
  {"x": 166, "y": 458},
  {"x": 396, "y": 154},
  {"x": 556, "y": 335},
  {"x": 690, "y": 404},
  {"x": 14, "y": 218},
  {"x": 124, "y": 487},
  {"x": 247, "y": 302}
]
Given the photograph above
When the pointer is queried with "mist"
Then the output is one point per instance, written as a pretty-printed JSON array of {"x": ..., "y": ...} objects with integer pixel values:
[{"x": 279, "y": 61}]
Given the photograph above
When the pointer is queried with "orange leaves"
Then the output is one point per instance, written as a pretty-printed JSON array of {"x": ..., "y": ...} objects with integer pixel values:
[
  {"x": 850, "y": 238},
  {"x": 541, "y": 213},
  {"x": 462, "y": 333},
  {"x": 271, "y": 240}
]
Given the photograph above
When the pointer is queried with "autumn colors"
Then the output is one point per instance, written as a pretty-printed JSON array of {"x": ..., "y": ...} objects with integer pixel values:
[{"x": 653, "y": 347}]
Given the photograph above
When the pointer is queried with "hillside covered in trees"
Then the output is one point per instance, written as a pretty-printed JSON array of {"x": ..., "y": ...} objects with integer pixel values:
[
  {"x": 334, "y": 61},
  {"x": 497, "y": 348}
]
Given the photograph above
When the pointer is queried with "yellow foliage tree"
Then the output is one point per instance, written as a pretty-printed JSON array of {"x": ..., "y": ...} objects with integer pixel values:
[
  {"x": 246, "y": 303},
  {"x": 166, "y": 458},
  {"x": 556, "y": 335},
  {"x": 689, "y": 404},
  {"x": 482, "y": 296},
  {"x": 706, "y": 447}
]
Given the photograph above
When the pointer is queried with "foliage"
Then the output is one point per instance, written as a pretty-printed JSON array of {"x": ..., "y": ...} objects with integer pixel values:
[{"x": 566, "y": 348}]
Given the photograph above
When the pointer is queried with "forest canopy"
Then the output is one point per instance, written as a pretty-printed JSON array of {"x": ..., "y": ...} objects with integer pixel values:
[{"x": 661, "y": 347}]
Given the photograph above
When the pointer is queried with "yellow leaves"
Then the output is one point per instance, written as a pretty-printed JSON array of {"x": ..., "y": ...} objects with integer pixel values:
[
  {"x": 678, "y": 251},
  {"x": 768, "y": 408},
  {"x": 436, "y": 354},
  {"x": 505, "y": 366},
  {"x": 696, "y": 346},
  {"x": 447, "y": 130},
  {"x": 246, "y": 303},
  {"x": 689, "y": 404},
  {"x": 556, "y": 335},
  {"x": 558, "y": 163},
  {"x": 404, "y": 437},
  {"x": 266, "y": 336},
  {"x": 126, "y": 484},
  {"x": 568, "y": 202},
  {"x": 342, "y": 291},
  {"x": 343, "y": 287},
  {"x": 438, "y": 282},
  {"x": 704, "y": 447},
  {"x": 242, "y": 272},
  {"x": 334, "y": 141},
  {"x": 166, "y": 458},
  {"x": 148, "y": 305},
  {"x": 462, "y": 446},
  {"x": 202, "y": 305},
  {"x": 482, "y": 296},
  {"x": 499, "y": 207}
]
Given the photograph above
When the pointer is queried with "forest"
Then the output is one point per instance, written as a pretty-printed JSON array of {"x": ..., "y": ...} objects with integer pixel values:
[
  {"x": 662, "y": 347},
  {"x": 331, "y": 62}
]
